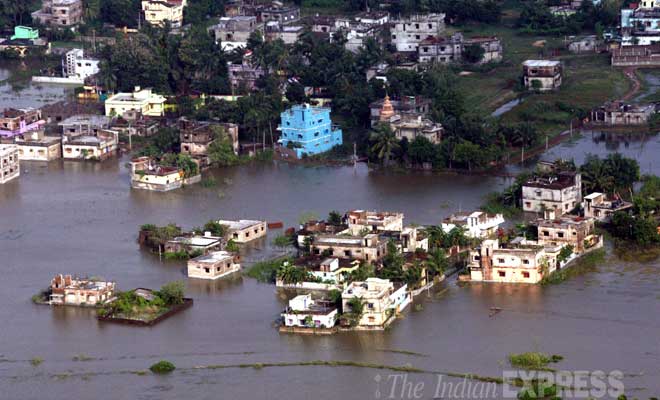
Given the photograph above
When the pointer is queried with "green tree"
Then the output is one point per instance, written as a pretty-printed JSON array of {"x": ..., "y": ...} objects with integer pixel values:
[
  {"x": 421, "y": 150},
  {"x": 172, "y": 293},
  {"x": 473, "y": 53},
  {"x": 384, "y": 143},
  {"x": 437, "y": 262},
  {"x": 216, "y": 228},
  {"x": 334, "y": 218}
]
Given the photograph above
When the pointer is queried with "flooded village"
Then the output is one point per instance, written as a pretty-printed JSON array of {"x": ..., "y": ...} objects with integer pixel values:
[{"x": 279, "y": 202}]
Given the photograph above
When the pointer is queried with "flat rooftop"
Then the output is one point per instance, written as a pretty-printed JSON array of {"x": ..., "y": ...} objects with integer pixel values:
[
  {"x": 214, "y": 257},
  {"x": 240, "y": 224},
  {"x": 86, "y": 119},
  {"x": 541, "y": 63}
]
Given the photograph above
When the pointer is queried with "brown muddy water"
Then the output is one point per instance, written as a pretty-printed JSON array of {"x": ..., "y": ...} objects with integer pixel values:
[{"x": 68, "y": 217}]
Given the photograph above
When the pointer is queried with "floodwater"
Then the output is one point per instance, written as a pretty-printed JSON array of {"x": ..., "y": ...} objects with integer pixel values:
[
  {"x": 28, "y": 94},
  {"x": 82, "y": 218},
  {"x": 506, "y": 107}
]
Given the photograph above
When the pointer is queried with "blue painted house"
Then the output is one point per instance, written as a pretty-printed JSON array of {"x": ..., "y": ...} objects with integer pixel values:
[{"x": 309, "y": 129}]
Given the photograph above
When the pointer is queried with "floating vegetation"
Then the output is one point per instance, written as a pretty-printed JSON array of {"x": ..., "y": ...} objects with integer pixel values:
[
  {"x": 228, "y": 181},
  {"x": 208, "y": 182},
  {"x": 162, "y": 367},
  {"x": 36, "y": 361},
  {"x": 533, "y": 360},
  {"x": 82, "y": 357},
  {"x": 585, "y": 263}
]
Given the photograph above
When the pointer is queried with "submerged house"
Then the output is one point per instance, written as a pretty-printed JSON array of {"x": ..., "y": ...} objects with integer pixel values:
[
  {"x": 373, "y": 221},
  {"x": 571, "y": 230},
  {"x": 621, "y": 114},
  {"x": 477, "y": 224},
  {"x": 597, "y": 205},
  {"x": 214, "y": 265},
  {"x": 244, "y": 230},
  {"x": 542, "y": 75},
  {"x": 305, "y": 312},
  {"x": 10, "y": 167},
  {"x": 66, "y": 290},
  {"x": 382, "y": 300},
  {"x": 194, "y": 244},
  {"x": 148, "y": 175},
  {"x": 559, "y": 190},
  {"x": 14, "y": 122}
]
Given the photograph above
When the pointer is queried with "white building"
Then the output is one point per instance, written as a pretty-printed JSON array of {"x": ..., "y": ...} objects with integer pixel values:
[
  {"x": 158, "y": 12},
  {"x": 10, "y": 167},
  {"x": 542, "y": 75},
  {"x": 91, "y": 147},
  {"x": 561, "y": 192},
  {"x": 35, "y": 146},
  {"x": 408, "y": 33},
  {"x": 76, "y": 65},
  {"x": 214, "y": 265},
  {"x": 382, "y": 301},
  {"x": 304, "y": 312},
  {"x": 598, "y": 206},
  {"x": 477, "y": 224},
  {"x": 373, "y": 221},
  {"x": 244, "y": 230},
  {"x": 143, "y": 100},
  {"x": 150, "y": 176}
]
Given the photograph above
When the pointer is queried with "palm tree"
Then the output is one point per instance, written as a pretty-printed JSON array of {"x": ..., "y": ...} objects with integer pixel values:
[
  {"x": 595, "y": 177},
  {"x": 290, "y": 274},
  {"x": 437, "y": 262},
  {"x": 384, "y": 143},
  {"x": 436, "y": 235}
]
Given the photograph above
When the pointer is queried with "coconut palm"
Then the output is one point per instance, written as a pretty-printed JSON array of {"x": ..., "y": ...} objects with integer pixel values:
[
  {"x": 437, "y": 262},
  {"x": 290, "y": 274},
  {"x": 384, "y": 143},
  {"x": 596, "y": 177}
]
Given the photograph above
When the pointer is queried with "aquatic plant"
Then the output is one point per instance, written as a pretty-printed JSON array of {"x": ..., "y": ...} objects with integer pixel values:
[{"x": 162, "y": 367}]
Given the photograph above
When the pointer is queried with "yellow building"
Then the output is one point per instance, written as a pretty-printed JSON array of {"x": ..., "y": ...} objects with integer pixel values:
[
  {"x": 157, "y": 12},
  {"x": 142, "y": 100},
  {"x": 146, "y": 175}
]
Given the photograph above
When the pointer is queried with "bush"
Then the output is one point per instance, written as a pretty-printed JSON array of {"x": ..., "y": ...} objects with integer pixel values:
[
  {"x": 162, "y": 367},
  {"x": 172, "y": 293},
  {"x": 533, "y": 360}
]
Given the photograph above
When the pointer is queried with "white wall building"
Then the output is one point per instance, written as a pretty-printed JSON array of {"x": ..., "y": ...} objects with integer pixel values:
[
  {"x": 408, "y": 33},
  {"x": 477, "y": 224},
  {"x": 214, "y": 265},
  {"x": 10, "y": 167},
  {"x": 303, "y": 311},
  {"x": 382, "y": 301},
  {"x": 143, "y": 100},
  {"x": 244, "y": 230},
  {"x": 560, "y": 192},
  {"x": 76, "y": 65}
]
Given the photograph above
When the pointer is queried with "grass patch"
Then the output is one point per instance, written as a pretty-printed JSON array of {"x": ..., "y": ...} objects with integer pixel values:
[
  {"x": 208, "y": 182},
  {"x": 585, "y": 263},
  {"x": 82, "y": 357},
  {"x": 533, "y": 360},
  {"x": 162, "y": 367}
]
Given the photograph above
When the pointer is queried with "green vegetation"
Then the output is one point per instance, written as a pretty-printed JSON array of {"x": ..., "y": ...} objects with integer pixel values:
[
  {"x": 36, "y": 361},
  {"x": 610, "y": 175},
  {"x": 585, "y": 263},
  {"x": 82, "y": 357},
  {"x": 232, "y": 246},
  {"x": 130, "y": 305},
  {"x": 162, "y": 367},
  {"x": 283, "y": 241},
  {"x": 533, "y": 360},
  {"x": 154, "y": 237},
  {"x": 216, "y": 228},
  {"x": 266, "y": 271}
]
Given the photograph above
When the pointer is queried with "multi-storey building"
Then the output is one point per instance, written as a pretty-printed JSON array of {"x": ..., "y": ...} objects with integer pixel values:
[
  {"x": 373, "y": 221},
  {"x": 142, "y": 100},
  {"x": 277, "y": 12},
  {"x": 542, "y": 75},
  {"x": 197, "y": 136},
  {"x": 308, "y": 130},
  {"x": 559, "y": 191},
  {"x": 382, "y": 301},
  {"x": 10, "y": 167},
  {"x": 61, "y": 13},
  {"x": 408, "y": 33},
  {"x": 597, "y": 205},
  {"x": 37, "y": 147},
  {"x": 234, "y": 32},
  {"x": 159, "y": 12},
  {"x": 76, "y": 65},
  {"x": 367, "y": 248},
  {"x": 14, "y": 122},
  {"x": 66, "y": 290},
  {"x": 445, "y": 50},
  {"x": 567, "y": 230},
  {"x": 477, "y": 224}
]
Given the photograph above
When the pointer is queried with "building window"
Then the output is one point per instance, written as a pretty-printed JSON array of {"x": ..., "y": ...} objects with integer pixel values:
[
  {"x": 546, "y": 233},
  {"x": 500, "y": 260},
  {"x": 501, "y": 274},
  {"x": 525, "y": 274},
  {"x": 560, "y": 234},
  {"x": 525, "y": 261}
]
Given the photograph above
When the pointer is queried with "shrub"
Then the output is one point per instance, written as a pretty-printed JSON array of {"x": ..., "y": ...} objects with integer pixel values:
[{"x": 162, "y": 367}]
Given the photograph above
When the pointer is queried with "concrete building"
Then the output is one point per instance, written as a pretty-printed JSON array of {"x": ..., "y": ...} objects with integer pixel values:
[
  {"x": 311, "y": 228},
  {"x": 194, "y": 244},
  {"x": 147, "y": 175},
  {"x": 567, "y": 230},
  {"x": 446, "y": 50},
  {"x": 598, "y": 206},
  {"x": 69, "y": 291},
  {"x": 476, "y": 224},
  {"x": 324, "y": 273},
  {"x": 373, "y": 17},
  {"x": 159, "y": 12},
  {"x": 244, "y": 230},
  {"x": 289, "y": 34},
  {"x": 37, "y": 147},
  {"x": 245, "y": 74},
  {"x": 560, "y": 191},
  {"x": 305, "y": 312},
  {"x": 76, "y": 65},
  {"x": 10, "y": 167},
  {"x": 84, "y": 124},
  {"x": 542, "y": 75},
  {"x": 97, "y": 147},
  {"x": 382, "y": 301},
  {"x": 636, "y": 56},
  {"x": 357, "y": 35},
  {"x": 278, "y": 12},
  {"x": 373, "y": 221},
  {"x": 586, "y": 44},
  {"x": 408, "y": 33},
  {"x": 60, "y": 13},
  {"x": 214, "y": 265},
  {"x": 197, "y": 136},
  {"x": 308, "y": 130},
  {"x": 233, "y": 32},
  {"x": 520, "y": 261},
  {"x": 613, "y": 114},
  {"x": 143, "y": 100},
  {"x": 640, "y": 26},
  {"x": 25, "y": 33},
  {"x": 14, "y": 122},
  {"x": 367, "y": 248}
]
